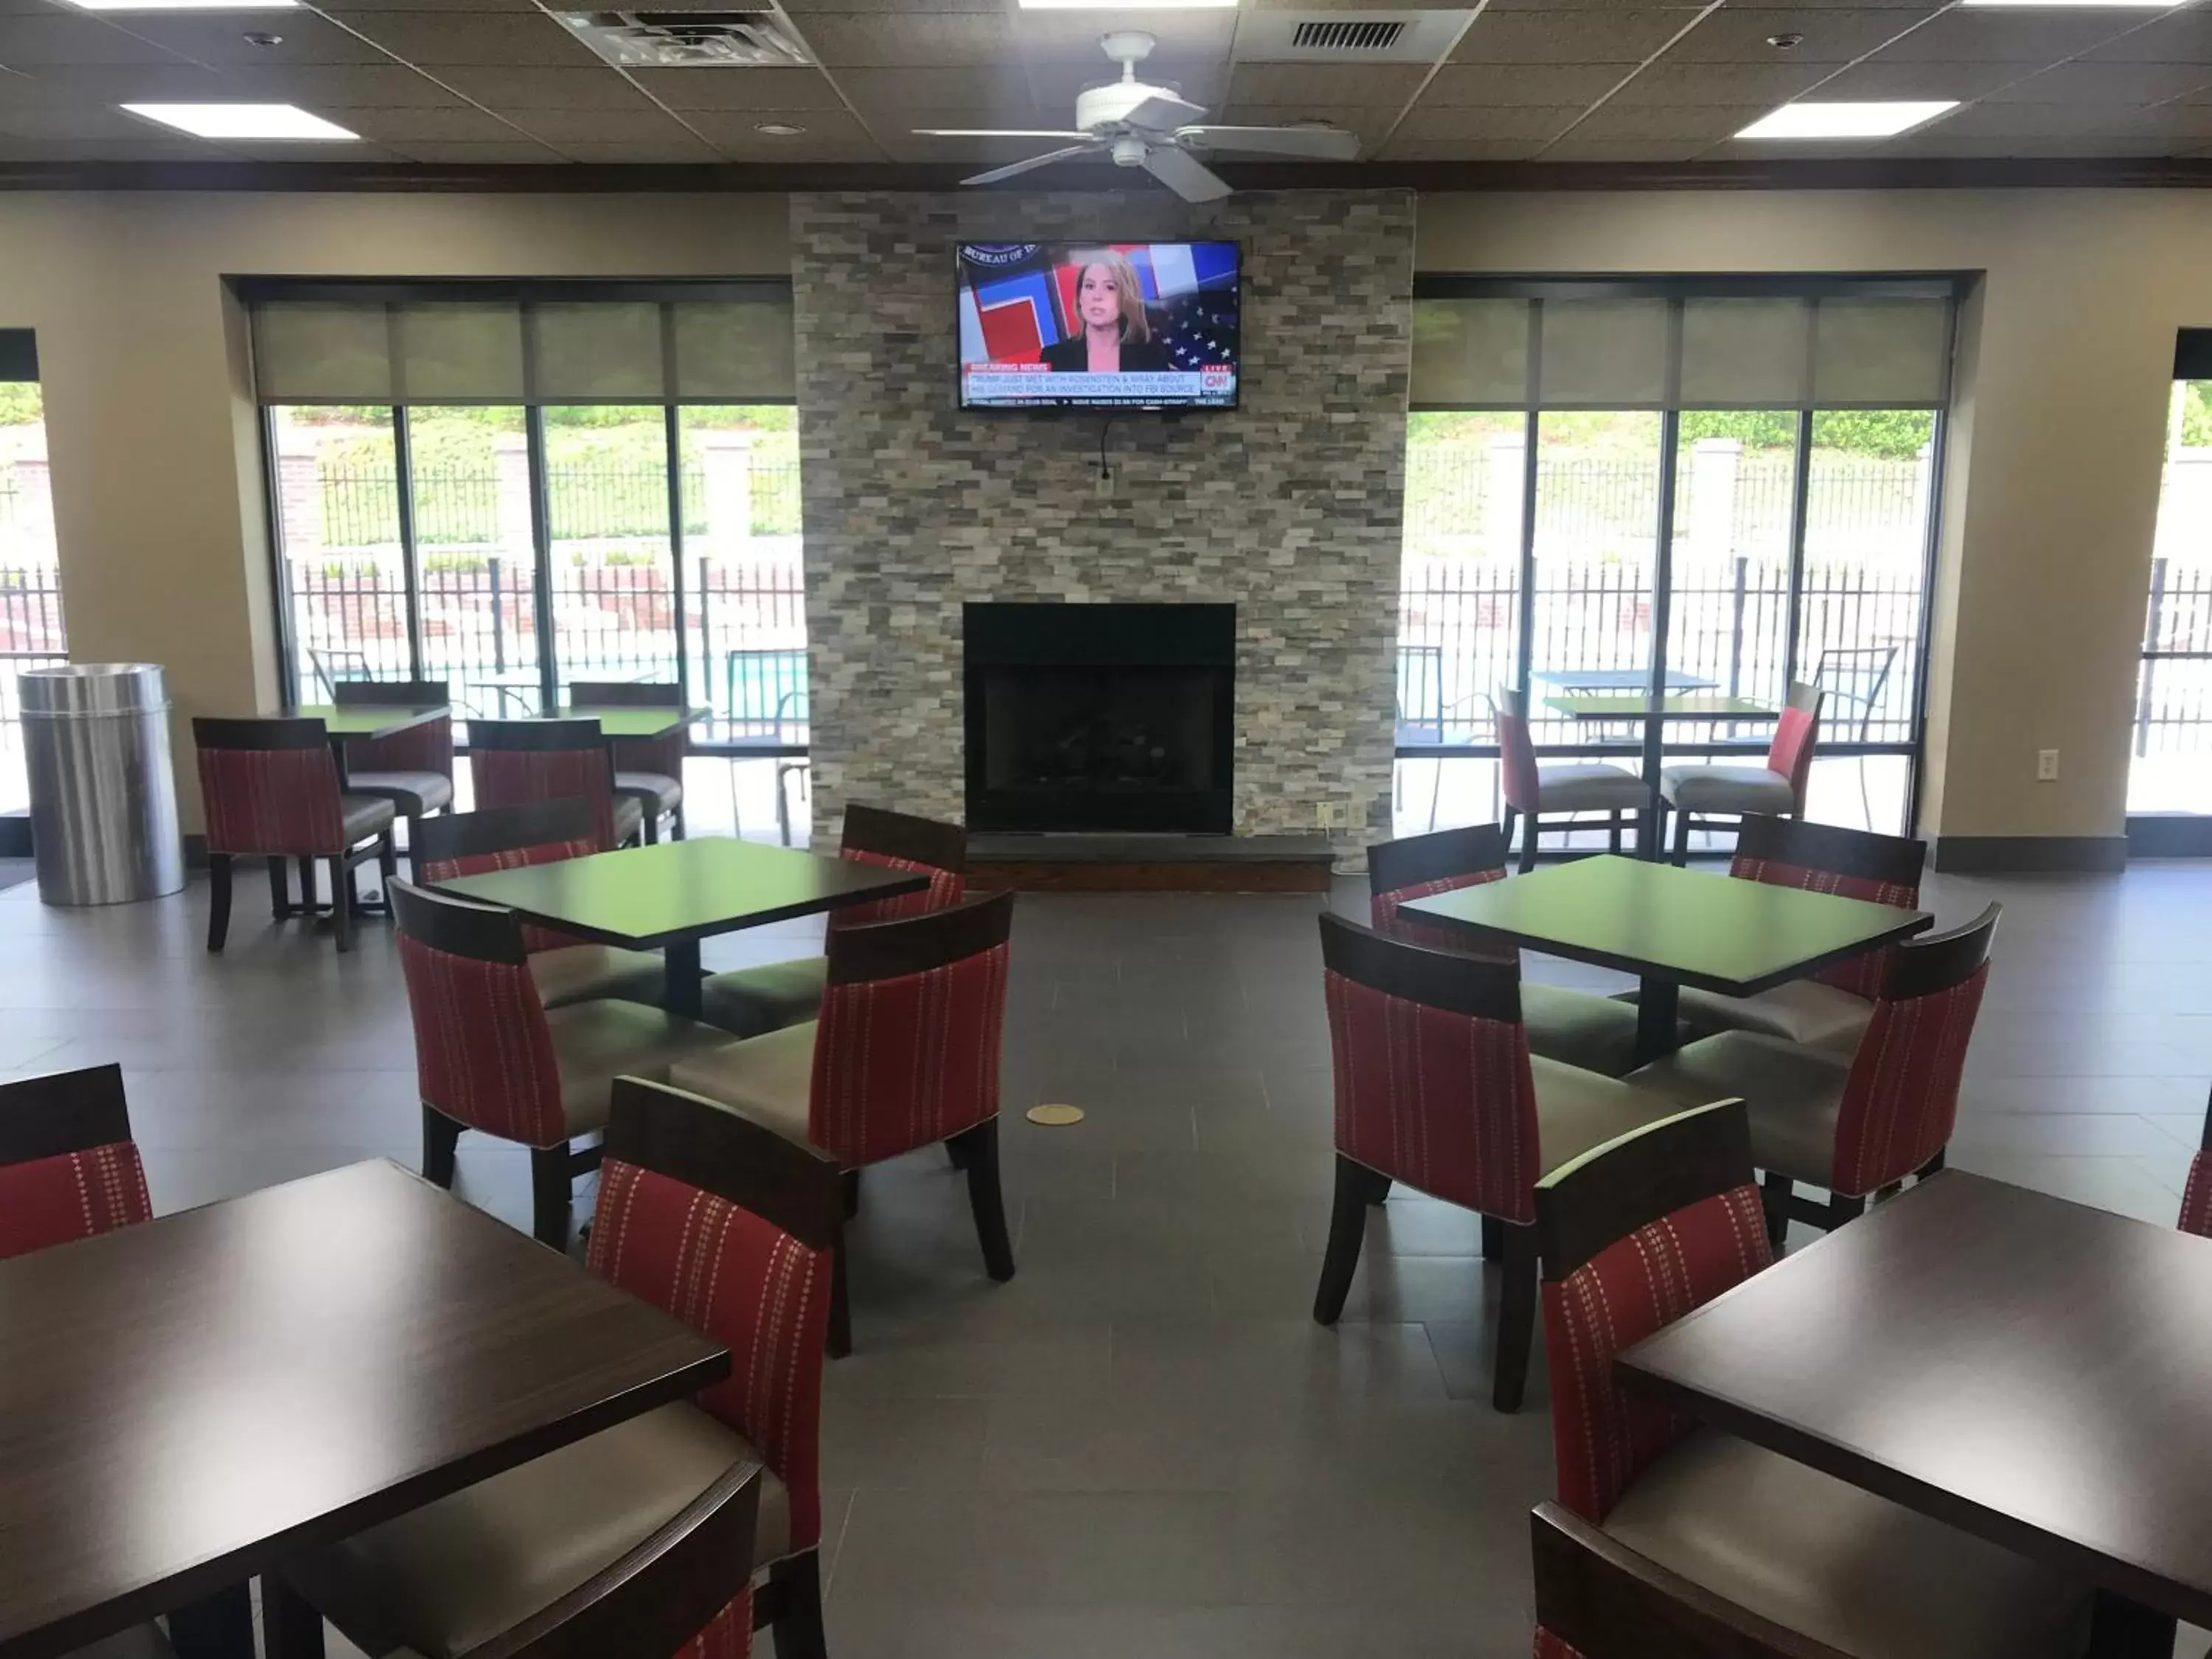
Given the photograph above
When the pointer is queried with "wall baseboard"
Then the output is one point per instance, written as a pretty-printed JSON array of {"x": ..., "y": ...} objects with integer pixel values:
[
  {"x": 2170, "y": 836},
  {"x": 2008, "y": 855}
]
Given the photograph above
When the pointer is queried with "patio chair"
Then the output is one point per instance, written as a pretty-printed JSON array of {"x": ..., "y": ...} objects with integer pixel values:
[
  {"x": 1534, "y": 792},
  {"x": 648, "y": 770},
  {"x": 767, "y": 688},
  {"x": 1856, "y": 677},
  {"x": 1776, "y": 789}
]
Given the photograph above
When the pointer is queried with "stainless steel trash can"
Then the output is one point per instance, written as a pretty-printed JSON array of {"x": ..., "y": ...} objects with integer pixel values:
[{"x": 103, "y": 792}]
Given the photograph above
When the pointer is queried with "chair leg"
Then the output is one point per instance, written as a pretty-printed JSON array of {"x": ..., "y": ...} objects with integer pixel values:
[
  {"x": 649, "y": 826},
  {"x": 290, "y": 1629},
  {"x": 218, "y": 899},
  {"x": 1842, "y": 1209},
  {"x": 342, "y": 899},
  {"x": 956, "y": 1150},
  {"x": 1681, "y": 836},
  {"x": 1529, "y": 845},
  {"x": 1493, "y": 1238},
  {"x": 1347, "y": 1229},
  {"x": 280, "y": 888},
  {"x": 987, "y": 1198},
  {"x": 1933, "y": 1166},
  {"x": 850, "y": 1183},
  {"x": 1505, "y": 824},
  {"x": 1517, "y": 1319},
  {"x": 441, "y": 1136},
  {"x": 552, "y": 1192},
  {"x": 387, "y": 861},
  {"x": 839, "y": 1342},
  {"x": 307, "y": 884},
  {"x": 1613, "y": 826},
  {"x": 1777, "y": 1190},
  {"x": 1381, "y": 1193},
  {"x": 676, "y": 824},
  {"x": 797, "y": 1586}
]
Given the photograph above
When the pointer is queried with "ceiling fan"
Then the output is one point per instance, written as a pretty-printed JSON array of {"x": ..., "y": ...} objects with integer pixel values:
[{"x": 1150, "y": 127}]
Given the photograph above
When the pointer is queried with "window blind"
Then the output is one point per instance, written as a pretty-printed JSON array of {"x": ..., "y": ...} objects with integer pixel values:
[{"x": 723, "y": 344}]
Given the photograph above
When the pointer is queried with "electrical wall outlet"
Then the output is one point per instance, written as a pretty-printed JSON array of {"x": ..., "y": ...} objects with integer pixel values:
[
  {"x": 2047, "y": 766},
  {"x": 1332, "y": 815}
]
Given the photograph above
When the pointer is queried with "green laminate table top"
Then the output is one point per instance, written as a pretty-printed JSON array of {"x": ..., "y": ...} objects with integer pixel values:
[
  {"x": 648, "y": 897},
  {"x": 637, "y": 722},
  {"x": 368, "y": 720},
  {"x": 1687, "y": 926},
  {"x": 1637, "y": 706}
]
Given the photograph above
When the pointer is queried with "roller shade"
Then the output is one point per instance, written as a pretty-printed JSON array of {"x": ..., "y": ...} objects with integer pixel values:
[
  {"x": 1640, "y": 348},
  {"x": 710, "y": 344}
]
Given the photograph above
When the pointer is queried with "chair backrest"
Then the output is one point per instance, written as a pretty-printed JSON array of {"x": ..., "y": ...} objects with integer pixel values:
[
  {"x": 898, "y": 841},
  {"x": 1516, "y": 749},
  {"x": 1856, "y": 675},
  {"x": 1420, "y": 866},
  {"x": 425, "y": 748},
  {"x": 507, "y": 838},
  {"x": 729, "y": 1226},
  {"x": 1797, "y": 735},
  {"x": 1633, "y": 1235},
  {"x": 269, "y": 787},
  {"x": 1596, "y": 1599},
  {"x": 1827, "y": 858},
  {"x": 484, "y": 1053},
  {"x": 906, "y": 1053},
  {"x": 664, "y": 754},
  {"x": 1901, "y": 1098},
  {"x": 515, "y": 763},
  {"x": 68, "y": 1166},
  {"x": 1432, "y": 1079},
  {"x": 2197, "y": 1198}
]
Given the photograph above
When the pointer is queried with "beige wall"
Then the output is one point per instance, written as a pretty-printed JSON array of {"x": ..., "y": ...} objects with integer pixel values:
[
  {"x": 2058, "y": 439},
  {"x": 156, "y": 473}
]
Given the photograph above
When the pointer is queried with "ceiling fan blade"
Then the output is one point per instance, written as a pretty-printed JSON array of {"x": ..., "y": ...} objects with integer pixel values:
[
  {"x": 1183, "y": 174},
  {"x": 1015, "y": 169},
  {"x": 992, "y": 132},
  {"x": 1311, "y": 143},
  {"x": 1163, "y": 113}
]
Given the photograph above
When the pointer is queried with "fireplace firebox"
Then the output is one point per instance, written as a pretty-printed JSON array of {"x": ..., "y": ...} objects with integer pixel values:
[{"x": 1100, "y": 717}]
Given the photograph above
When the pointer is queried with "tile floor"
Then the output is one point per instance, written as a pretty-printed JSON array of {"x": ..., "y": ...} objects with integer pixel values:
[{"x": 1141, "y": 1445}]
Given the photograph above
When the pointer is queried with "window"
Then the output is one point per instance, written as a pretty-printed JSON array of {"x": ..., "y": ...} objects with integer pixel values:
[
  {"x": 1729, "y": 480},
  {"x": 31, "y": 632},
  {"x": 2169, "y": 782}
]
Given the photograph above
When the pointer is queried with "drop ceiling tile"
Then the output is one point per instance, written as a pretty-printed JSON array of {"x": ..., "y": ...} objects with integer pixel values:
[
  {"x": 162, "y": 83},
  {"x": 1668, "y": 82},
  {"x": 1574, "y": 149},
  {"x": 1803, "y": 149},
  {"x": 1324, "y": 83},
  {"x": 740, "y": 88},
  {"x": 1368, "y": 124},
  {"x": 1055, "y": 81},
  {"x": 2178, "y": 120},
  {"x": 1571, "y": 36},
  {"x": 1653, "y": 122},
  {"x": 548, "y": 89},
  {"x": 560, "y": 127},
  {"x": 152, "y": 148},
  {"x": 1464, "y": 150},
  {"x": 1076, "y": 34},
  {"x": 438, "y": 152},
  {"x": 1529, "y": 84},
  {"x": 452, "y": 124},
  {"x": 64, "y": 121},
  {"x": 2183, "y": 36},
  {"x": 1882, "y": 77},
  {"x": 336, "y": 85},
  {"x": 341, "y": 8},
  {"x": 513, "y": 39},
  {"x": 1833, "y": 35},
  {"x": 995, "y": 89},
  {"x": 894, "y": 123},
  {"x": 2028, "y": 120},
  {"x": 803, "y": 9},
  {"x": 682, "y": 150},
  {"x": 901, "y": 144},
  {"x": 1935, "y": 145},
  {"x": 1462, "y": 122},
  {"x": 830, "y": 134},
  {"x": 323, "y": 155},
  {"x": 218, "y": 39},
  {"x": 885, "y": 40},
  {"x": 1998, "y": 35},
  {"x": 41, "y": 41},
  {"x": 2105, "y": 83}
]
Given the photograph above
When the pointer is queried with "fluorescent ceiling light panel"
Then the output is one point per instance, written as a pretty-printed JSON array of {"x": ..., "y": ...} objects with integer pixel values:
[
  {"x": 1129, "y": 5},
  {"x": 186, "y": 5},
  {"x": 1840, "y": 120},
  {"x": 259, "y": 121}
]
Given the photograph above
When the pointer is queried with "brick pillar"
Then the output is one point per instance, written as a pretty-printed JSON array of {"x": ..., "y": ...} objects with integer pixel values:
[
  {"x": 1501, "y": 506},
  {"x": 1714, "y": 464},
  {"x": 728, "y": 457}
]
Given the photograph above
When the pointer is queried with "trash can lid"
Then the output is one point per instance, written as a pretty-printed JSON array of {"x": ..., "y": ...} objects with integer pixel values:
[{"x": 92, "y": 687}]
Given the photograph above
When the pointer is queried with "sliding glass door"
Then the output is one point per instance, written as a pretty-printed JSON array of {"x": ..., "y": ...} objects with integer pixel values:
[{"x": 2170, "y": 776}]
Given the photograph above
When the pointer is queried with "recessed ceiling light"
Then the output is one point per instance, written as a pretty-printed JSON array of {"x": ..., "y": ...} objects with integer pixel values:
[
  {"x": 283, "y": 121},
  {"x": 1857, "y": 120},
  {"x": 185, "y": 5},
  {"x": 1127, "y": 5},
  {"x": 779, "y": 128}
]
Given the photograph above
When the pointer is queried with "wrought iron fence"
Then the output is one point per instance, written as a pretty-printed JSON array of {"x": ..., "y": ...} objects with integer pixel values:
[
  {"x": 2173, "y": 695},
  {"x": 459, "y": 507}
]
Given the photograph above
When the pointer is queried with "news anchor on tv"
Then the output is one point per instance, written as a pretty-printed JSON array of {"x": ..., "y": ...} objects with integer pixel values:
[{"x": 1117, "y": 336}]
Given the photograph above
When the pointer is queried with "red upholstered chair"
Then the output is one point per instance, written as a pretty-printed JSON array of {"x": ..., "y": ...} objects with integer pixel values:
[
  {"x": 1534, "y": 792},
  {"x": 2197, "y": 1197},
  {"x": 516, "y": 762},
  {"x": 1776, "y": 788},
  {"x": 413, "y": 769},
  {"x": 488, "y": 1056},
  {"x": 905, "y": 1055},
  {"x": 648, "y": 770},
  {"x": 567, "y": 968},
  {"x": 1574, "y": 1027},
  {"x": 1857, "y": 1123},
  {"x": 270, "y": 790},
  {"x": 1637, "y": 1236},
  {"x": 751, "y": 1001},
  {"x": 68, "y": 1169},
  {"x": 729, "y": 1227},
  {"x": 1435, "y": 1088},
  {"x": 1833, "y": 1007}
]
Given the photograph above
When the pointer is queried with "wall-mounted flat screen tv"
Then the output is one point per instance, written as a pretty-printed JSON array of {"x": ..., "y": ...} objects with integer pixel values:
[{"x": 1098, "y": 324}]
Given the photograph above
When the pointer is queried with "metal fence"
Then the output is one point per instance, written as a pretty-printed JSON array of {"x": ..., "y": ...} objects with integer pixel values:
[
  {"x": 2173, "y": 697},
  {"x": 459, "y": 507}
]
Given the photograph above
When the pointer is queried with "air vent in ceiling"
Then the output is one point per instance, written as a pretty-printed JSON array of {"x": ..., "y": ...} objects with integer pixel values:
[
  {"x": 686, "y": 39},
  {"x": 1348, "y": 37}
]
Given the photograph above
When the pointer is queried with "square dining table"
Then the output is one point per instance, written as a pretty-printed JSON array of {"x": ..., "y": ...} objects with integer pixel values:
[
  {"x": 189, "y": 1402},
  {"x": 2028, "y": 1369},
  {"x": 1616, "y": 679},
  {"x": 1673, "y": 928},
  {"x": 669, "y": 896},
  {"x": 630, "y": 722},
  {"x": 346, "y": 721},
  {"x": 1628, "y": 706}
]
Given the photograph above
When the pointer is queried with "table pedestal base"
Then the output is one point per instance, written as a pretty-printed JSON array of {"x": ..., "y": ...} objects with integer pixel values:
[
  {"x": 1657, "y": 1005},
  {"x": 2122, "y": 1629},
  {"x": 681, "y": 963}
]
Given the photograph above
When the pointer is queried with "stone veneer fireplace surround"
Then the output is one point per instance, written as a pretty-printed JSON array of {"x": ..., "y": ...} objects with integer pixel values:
[{"x": 1288, "y": 508}]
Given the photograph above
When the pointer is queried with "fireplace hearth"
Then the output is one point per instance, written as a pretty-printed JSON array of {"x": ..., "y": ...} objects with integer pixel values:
[{"x": 1100, "y": 717}]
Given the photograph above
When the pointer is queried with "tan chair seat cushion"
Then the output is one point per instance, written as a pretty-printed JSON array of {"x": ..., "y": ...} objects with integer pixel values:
[
  {"x": 1729, "y": 789},
  {"x": 364, "y": 816},
  {"x": 140, "y": 1642},
  {"x": 452, "y": 1575},
  {"x": 1804, "y": 1011},
  {"x": 751, "y": 1001},
  {"x": 1589, "y": 786},
  {"x": 769, "y": 1077},
  {"x": 411, "y": 794},
  {"x": 581, "y": 973},
  {"x": 596, "y": 1043},
  {"x": 1841, "y": 1565},
  {"x": 658, "y": 788},
  {"x": 1793, "y": 1094},
  {"x": 1576, "y": 1111},
  {"x": 1578, "y": 1029}
]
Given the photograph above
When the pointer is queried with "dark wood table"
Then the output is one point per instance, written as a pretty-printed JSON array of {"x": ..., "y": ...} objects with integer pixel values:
[
  {"x": 2030, "y": 1370},
  {"x": 1673, "y": 928},
  {"x": 668, "y": 898},
  {"x": 185, "y": 1404},
  {"x": 345, "y": 721},
  {"x": 633, "y": 722}
]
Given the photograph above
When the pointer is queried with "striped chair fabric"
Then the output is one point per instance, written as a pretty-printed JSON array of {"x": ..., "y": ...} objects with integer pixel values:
[
  {"x": 282, "y": 802},
  {"x": 1901, "y": 1098},
  {"x": 1790, "y": 753},
  {"x": 52, "y": 1200},
  {"x": 534, "y": 937},
  {"x": 425, "y": 748},
  {"x": 1383, "y": 915},
  {"x": 483, "y": 1054},
  {"x": 2197, "y": 1198},
  {"x": 731, "y": 1635},
  {"x": 518, "y": 777},
  {"x": 1861, "y": 975},
  {"x": 946, "y": 889}
]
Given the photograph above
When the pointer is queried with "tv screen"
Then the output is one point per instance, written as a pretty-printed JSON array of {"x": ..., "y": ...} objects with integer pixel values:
[{"x": 1098, "y": 324}]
